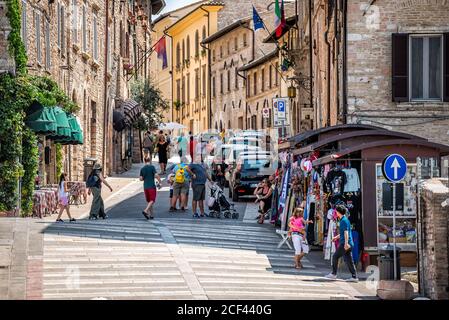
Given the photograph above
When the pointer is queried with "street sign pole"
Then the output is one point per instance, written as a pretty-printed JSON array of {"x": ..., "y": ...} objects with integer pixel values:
[{"x": 394, "y": 231}]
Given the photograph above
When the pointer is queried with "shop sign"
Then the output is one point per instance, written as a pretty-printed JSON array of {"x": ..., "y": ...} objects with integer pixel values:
[
  {"x": 281, "y": 112},
  {"x": 394, "y": 167}
]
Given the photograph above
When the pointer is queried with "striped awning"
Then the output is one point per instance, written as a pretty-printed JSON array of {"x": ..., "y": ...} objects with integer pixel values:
[{"x": 132, "y": 111}]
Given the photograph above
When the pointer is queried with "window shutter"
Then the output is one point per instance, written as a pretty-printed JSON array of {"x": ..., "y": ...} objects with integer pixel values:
[
  {"x": 400, "y": 67},
  {"x": 446, "y": 68}
]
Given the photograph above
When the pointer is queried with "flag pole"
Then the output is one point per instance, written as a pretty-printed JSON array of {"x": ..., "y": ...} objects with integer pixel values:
[{"x": 145, "y": 56}]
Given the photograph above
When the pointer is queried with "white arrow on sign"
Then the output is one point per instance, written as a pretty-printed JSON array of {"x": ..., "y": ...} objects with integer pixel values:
[{"x": 395, "y": 165}]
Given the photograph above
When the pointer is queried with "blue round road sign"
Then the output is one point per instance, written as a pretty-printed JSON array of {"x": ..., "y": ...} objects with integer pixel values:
[{"x": 394, "y": 167}]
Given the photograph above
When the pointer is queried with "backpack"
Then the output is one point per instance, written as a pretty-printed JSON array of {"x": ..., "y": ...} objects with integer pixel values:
[
  {"x": 179, "y": 176},
  {"x": 91, "y": 181}
]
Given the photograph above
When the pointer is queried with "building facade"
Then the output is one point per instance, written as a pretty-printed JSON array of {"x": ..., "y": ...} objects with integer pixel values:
[
  {"x": 190, "y": 69},
  {"x": 398, "y": 66},
  {"x": 83, "y": 46}
]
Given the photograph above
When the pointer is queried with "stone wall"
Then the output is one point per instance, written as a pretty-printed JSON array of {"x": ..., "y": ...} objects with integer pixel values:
[
  {"x": 370, "y": 30},
  {"x": 434, "y": 255},
  {"x": 6, "y": 62}
]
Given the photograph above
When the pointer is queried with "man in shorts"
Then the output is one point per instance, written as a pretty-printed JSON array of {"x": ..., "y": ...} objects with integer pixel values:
[
  {"x": 147, "y": 175},
  {"x": 199, "y": 187},
  {"x": 181, "y": 184}
]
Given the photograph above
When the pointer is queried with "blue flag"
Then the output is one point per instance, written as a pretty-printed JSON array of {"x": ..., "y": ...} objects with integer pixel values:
[{"x": 258, "y": 23}]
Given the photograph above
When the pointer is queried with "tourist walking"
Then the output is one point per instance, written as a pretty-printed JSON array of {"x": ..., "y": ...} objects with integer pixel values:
[
  {"x": 162, "y": 151},
  {"x": 345, "y": 246},
  {"x": 200, "y": 176},
  {"x": 181, "y": 184},
  {"x": 182, "y": 145},
  {"x": 64, "y": 203},
  {"x": 191, "y": 146},
  {"x": 148, "y": 144},
  {"x": 94, "y": 182},
  {"x": 297, "y": 232},
  {"x": 147, "y": 175}
]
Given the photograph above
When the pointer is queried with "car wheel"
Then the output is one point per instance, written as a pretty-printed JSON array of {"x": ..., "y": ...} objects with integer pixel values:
[{"x": 235, "y": 197}]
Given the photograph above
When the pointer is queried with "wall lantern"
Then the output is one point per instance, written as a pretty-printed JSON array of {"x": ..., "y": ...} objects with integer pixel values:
[{"x": 292, "y": 92}]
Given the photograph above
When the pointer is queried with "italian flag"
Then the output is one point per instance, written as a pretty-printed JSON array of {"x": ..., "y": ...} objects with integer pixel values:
[{"x": 280, "y": 18}]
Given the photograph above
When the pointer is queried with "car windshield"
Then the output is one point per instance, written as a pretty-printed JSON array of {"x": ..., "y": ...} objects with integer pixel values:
[{"x": 253, "y": 164}]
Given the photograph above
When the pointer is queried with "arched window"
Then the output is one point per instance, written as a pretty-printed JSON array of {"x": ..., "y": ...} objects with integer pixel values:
[
  {"x": 204, "y": 32},
  {"x": 197, "y": 43},
  {"x": 183, "y": 51},
  {"x": 245, "y": 42},
  {"x": 178, "y": 55},
  {"x": 236, "y": 44},
  {"x": 188, "y": 47}
]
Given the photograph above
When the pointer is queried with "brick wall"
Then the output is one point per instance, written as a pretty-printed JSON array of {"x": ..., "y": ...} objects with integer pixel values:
[
  {"x": 369, "y": 60},
  {"x": 435, "y": 253}
]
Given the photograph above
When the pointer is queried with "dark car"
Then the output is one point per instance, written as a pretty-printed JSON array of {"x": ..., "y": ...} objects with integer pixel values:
[{"x": 248, "y": 173}]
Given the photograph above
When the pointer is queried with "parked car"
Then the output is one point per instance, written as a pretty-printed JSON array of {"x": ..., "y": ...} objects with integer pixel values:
[{"x": 248, "y": 172}]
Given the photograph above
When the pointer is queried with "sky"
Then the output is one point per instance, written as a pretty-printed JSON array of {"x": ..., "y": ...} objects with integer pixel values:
[{"x": 174, "y": 4}]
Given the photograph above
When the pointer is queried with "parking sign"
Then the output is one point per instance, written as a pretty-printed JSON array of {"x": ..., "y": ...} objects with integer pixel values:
[{"x": 281, "y": 112}]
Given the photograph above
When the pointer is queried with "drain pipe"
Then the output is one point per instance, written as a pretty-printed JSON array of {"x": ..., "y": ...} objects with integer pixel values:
[
  {"x": 311, "y": 55},
  {"x": 326, "y": 39},
  {"x": 105, "y": 96},
  {"x": 345, "y": 62}
]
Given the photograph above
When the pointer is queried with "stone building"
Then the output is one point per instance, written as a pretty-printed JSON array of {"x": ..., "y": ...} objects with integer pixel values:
[
  {"x": 398, "y": 66},
  {"x": 83, "y": 46},
  {"x": 230, "y": 48},
  {"x": 262, "y": 85}
]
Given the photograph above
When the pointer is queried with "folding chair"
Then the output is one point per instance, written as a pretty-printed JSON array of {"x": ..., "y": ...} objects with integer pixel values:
[{"x": 284, "y": 235}]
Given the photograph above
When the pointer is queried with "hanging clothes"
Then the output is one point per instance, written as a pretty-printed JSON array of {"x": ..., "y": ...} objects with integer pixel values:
[
  {"x": 352, "y": 180},
  {"x": 329, "y": 248}
]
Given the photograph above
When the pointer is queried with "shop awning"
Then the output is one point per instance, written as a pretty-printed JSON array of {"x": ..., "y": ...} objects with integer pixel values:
[
  {"x": 340, "y": 154},
  {"x": 63, "y": 131},
  {"x": 132, "y": 111},
  {"x": 41, "y": 120}
]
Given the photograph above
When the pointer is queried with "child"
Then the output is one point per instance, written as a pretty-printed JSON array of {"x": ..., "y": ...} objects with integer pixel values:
[
  {"x": 171, "y": 181},
  {"x": 297, "y": 233}
]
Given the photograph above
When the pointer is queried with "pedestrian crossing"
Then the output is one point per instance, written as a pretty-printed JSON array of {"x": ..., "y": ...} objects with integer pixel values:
[{"x": 174, "y": 259}]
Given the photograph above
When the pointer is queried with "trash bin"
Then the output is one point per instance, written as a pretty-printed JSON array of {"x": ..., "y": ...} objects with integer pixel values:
[
  {"x": 386, "y": 263},
  {"x": 88, "y": 166}
]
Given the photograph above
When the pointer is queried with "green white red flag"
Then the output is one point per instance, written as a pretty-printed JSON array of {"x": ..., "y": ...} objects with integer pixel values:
[{"x": 280, "y": 18}]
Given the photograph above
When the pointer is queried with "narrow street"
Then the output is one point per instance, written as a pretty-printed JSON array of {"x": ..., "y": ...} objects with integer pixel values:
[{"x": 173, "y": 256}]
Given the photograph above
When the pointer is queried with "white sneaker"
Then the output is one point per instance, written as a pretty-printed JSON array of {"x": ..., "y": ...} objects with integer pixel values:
[
  {"x": 331, "y": 276},
  {"x": 352, "y": 280}
]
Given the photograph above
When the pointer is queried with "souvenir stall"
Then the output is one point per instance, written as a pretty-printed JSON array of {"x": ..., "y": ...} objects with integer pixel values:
[{"x": 341, "y": 165}]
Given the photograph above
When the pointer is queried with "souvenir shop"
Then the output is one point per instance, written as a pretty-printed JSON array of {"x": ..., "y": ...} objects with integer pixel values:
[{"x": 341, "y": 165}]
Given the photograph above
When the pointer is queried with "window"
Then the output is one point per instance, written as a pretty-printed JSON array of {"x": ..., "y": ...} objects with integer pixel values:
[
  {"x": 213, "y": 87},
  {"x": 229, "y": 48},
  {"x": 236, "y": 78},
  {"x": 188, "y": 88},
  {"x": 221, "y": 52},
  {"x": 204, "y": 33},
  {"x": 37, "y": 23},
  {"x": 178, "y": 55},
  {"x": 197, "y": 43},
  {"x": 270, "y": 77},
  {"x": 263, "y": 80},
  {"x": 221, "y": 83},
  {"x": 245, "y": 42},
  {"x": 84, "y": 28},
  {"x": 248, "y": 85},
  {"x": 24, "y": 25},
  {"x": 95, "y": 37},
  {"x": 229, "y": 80},
  {"x": 204, "y": 81},
  {"x": 108, "y": 43},
  {"x": 183, "y": 90},
  {"x": 61, "y": 27},
  {"x": 255, "y": 83},
  {"x": 75, "y": 21},
  {"x": 59, "y": 24},
  {"x": 426, "y": 67},
  {"x": 236, "y": 44},
  {"x": 277, "y": 74},
  {"x": 183, "y": 51},
  {"x": 47, "y": 46},
  {"x": 197, "y": 84},
  {"x": 178, "y": 90},
  {"x": 213, "y": 55},
  {"x": 188, "y": 47}
]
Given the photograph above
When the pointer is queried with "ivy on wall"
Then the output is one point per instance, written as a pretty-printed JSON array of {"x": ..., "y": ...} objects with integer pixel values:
[
  {"x": 58, "y": 148},
  {"x": 19, "y": 156}
]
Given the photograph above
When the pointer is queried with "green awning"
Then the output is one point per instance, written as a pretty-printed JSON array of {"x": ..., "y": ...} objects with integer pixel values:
[
  {"x": 42, "y": 120},
  {"x": 76, "y": 134},
  {"x": 63, "y": 131}
]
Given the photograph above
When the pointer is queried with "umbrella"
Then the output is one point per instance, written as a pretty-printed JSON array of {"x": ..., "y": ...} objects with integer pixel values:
[{"x": 171, "y": 126}]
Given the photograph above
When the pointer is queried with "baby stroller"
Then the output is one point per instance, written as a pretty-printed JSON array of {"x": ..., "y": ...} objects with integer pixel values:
[{"x": 219, "y": 205}]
